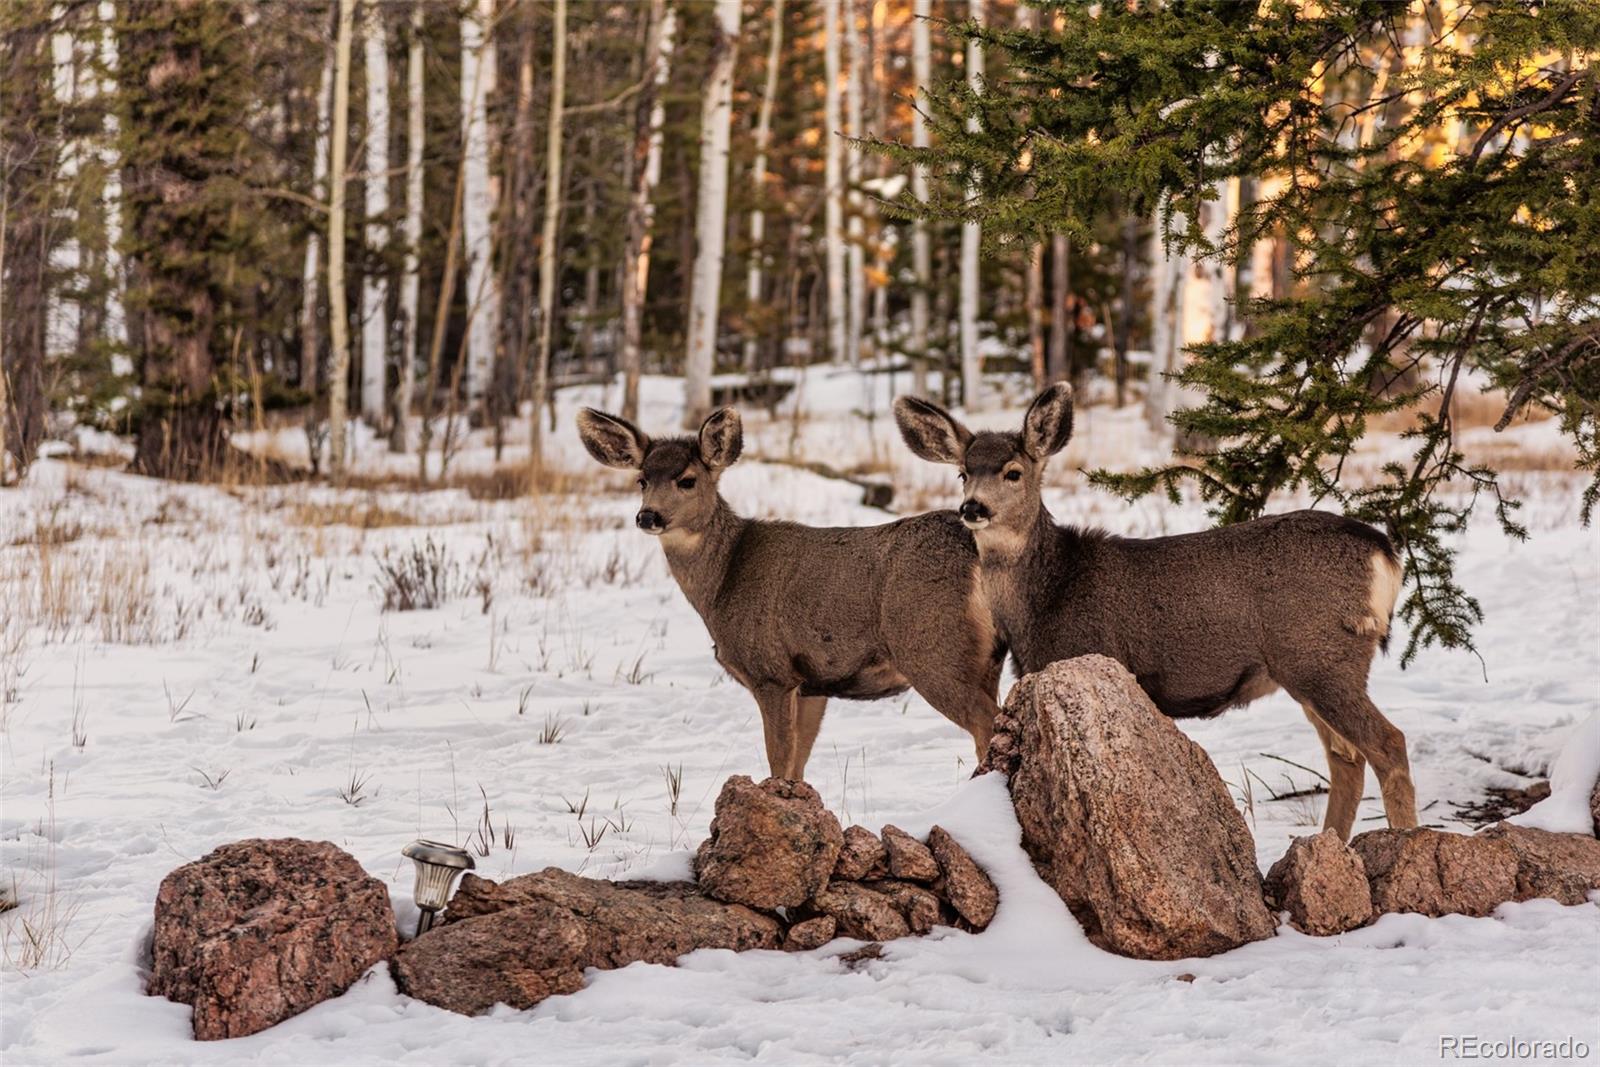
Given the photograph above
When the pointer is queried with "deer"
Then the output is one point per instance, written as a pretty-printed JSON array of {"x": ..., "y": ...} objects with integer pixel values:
[
  {"x": 1204, "y": 621},
  {"x": 800, "y": 614}
]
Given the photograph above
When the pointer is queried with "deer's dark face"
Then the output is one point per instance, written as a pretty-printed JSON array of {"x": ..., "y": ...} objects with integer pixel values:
[
  {"x": 677, "y": 475},
  {"x": 677, "y": 491},
  {"x": 1000, "y": 472}
]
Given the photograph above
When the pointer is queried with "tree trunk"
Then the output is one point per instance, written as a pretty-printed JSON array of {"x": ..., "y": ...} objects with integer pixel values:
[
  {"x": 716, "y": 120},
  {"x": 1061, "y": 317},
  {"x": 338, "y": 306},
  {"x": 1035, "y": 302},
  {"x": 833, "y": 180},
  {"x": 921, "y": 246},
  {"x": 649, "y": 116},
  {"x": 877, "y": 50},
  {"x": 63, "y": 314},
  {"x": 478, "y": 74},
  {"x": 311, "y": 293},
  {"x": 971, "y": 236},
  {"x": 374, "y": 303},
  {"x": 25, "y": 185},
  {"x": 856, "y": 309},
  {"x": 410, "y": 291},
  {"x": 550, "y": 233},
  {"x": 758, "y": 181},
  {"x": 1124, "y": 328}
]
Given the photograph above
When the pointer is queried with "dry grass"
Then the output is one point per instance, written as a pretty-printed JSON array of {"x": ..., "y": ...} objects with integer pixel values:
[
  {"x": 365, "y": 514},
  {"x": 63, "y": 589},
  {"x": 37, "y": 919}
]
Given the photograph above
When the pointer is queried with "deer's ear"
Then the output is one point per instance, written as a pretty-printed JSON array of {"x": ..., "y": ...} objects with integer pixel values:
[
  {"x": 721, "y": 439},
  {"x": 930, "y": 431},
  {"x": 614, "y": 441},
  {"x": 1047, "y": 427}
]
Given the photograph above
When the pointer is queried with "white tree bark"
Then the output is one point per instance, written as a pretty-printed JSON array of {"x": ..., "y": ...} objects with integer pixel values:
[
  {"x": 971, "y": 236},
  {"x": 410, "y": 289},
  {"x": 856, "y": 310},
  {"x": 921, "y": 246},
  {"x": 716, "y": 117},
  {"x": 338, "y": 320},
  {"x": 833, "y": 180},
  {"x": 62, "y": 312},
  {"x": 641, "y": 208},
  {"x": 313, "y": 260},
  {"x": 374, "y": 305},
  {"x": 116, "y": 325},
  {"x": 758, "y": 178},
  {"x": 478, "y": 73},
  {"x": 551, "y": 231}
]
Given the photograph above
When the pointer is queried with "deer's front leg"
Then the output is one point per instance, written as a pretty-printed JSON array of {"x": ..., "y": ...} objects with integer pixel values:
[{"x": 779, "y": 728}]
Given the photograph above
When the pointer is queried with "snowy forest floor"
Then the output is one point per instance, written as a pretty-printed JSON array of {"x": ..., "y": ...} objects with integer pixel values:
[{"x": 185, "y": 666}]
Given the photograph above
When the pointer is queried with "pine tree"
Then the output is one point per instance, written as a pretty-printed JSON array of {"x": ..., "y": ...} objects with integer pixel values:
[{"x": 1440, "y": 207}]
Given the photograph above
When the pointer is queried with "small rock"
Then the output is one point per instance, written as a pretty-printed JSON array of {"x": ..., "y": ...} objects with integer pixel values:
[
  {"x": 810, "y": 934},
  {"x": 1564, "y": 867},
  {"x": 968, "y": 889},
  {"x": 909, "y": 858},
  {"x": 1594, "y": 808},
  {"x": 1125, "y": 817},
  {"x": 1322, "y": 884},
  {"x": 533, "y": 936},
  {"x": 1431, "y": 872},
  {"x": 772, "y": 845},
  {"x": 861, "y": 913},
  {"x": 921, "y": 909},
  {"x": 864, "y": 954},
  {"x": 863, "y": 856},
  {"x": 260, "y": 930}
]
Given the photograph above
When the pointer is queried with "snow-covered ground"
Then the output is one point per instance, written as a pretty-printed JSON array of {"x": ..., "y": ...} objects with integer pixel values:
[{"x": 185, "y": 666}]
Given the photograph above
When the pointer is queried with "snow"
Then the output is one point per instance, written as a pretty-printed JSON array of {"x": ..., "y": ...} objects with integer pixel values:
[
  {"x": 197, "y": 631},
  {"x": 1573, "y": 780}
]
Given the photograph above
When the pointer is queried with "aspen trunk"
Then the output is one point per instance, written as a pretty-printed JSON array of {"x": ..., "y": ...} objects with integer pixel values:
[
  {"x": 856, "y": 309},
  {"x": 971, "y": 235},
  {"x": 309, "y": 334},
  {"x": 649, "y": 117},
  {"x": 921, "y": 246},
  {"x": 833, "y": 180},
  {"x": 374, "y": 303},
  {"x": 478, "y": 73},
  {"x": 1035, "y": 301},
  {"x": 63, "y": 314},
  {"x": 338, "y": 320},
  {"x": 410, "y": 291},
  {"x": 716, "y": 120},
  {"x": 550, "y": 233},
  {"x": 1061, "y": 324},
  {"x": 115, "y": 324},
  {"x": 758, "y": 179}
]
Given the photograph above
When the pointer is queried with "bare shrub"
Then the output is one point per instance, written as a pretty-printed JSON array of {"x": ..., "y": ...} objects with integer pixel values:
[{"x": 418, "y": 579}]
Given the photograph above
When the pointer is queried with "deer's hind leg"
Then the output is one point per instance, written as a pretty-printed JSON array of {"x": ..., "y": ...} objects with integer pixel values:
[
  {"x": 1348, "y": 712},
  {"x": 1347, "y": 774}
]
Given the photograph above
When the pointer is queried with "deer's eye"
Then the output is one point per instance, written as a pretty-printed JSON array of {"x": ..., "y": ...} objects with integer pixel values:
[
  {"x": 1013, "y": 476},
  {"x": 962, "y": 477},
  {"x": 685, "y": 483},
  {"x": 642, "y": 484}
]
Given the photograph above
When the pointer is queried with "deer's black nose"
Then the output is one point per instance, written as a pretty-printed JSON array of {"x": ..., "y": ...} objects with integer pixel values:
[
  {"x": 650, "y": 521},
  {"x": 973, "y": 511}
]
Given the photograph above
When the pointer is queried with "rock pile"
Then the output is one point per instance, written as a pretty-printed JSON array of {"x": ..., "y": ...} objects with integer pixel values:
[
  {"x": 260, "y": 930},
  {"x": 777, "y": 872}
]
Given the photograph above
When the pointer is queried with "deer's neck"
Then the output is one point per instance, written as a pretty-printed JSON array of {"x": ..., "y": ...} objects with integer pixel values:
[
  {"x": 1014, "y": 552},
  {"x": 699, "y": 559}
]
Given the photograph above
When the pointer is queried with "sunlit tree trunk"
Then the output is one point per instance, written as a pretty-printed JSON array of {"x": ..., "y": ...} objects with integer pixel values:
[
  {"x": 116, "y": 329},
  {"x": 1035, "y": 302},
  {"x": 478, "y": 74},
  {"x": 410, "y": 290},
  {"x": 716, "y": 119},
  {"x": 856, "y": 309},
  {"x": 311, "y": 293},
  {"x": 921, "y": 246},
  {"x": 971, "y": 235},
  {"x": 881, "y": 245},
  {"x": 833, "y": 180},
  {"x": 374, "y": 303},
  {"x": 1059, "y": 363},
  {"x": 64, "y": 312},
  {"x": 649, "y": 117},
  {"x": 550, "y": 233},
  {"x": 338, "y": 312},
  {"x": 758, "y": 178}
]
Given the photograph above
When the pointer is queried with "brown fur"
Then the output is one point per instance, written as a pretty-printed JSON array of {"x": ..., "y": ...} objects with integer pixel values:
[
  {"x": 799, "y": 614},
  {"x": 1205, "y": 621}
]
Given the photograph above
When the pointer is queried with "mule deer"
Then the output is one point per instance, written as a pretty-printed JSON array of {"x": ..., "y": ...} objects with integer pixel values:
[
  {"x": 1205, "y": 621},
  {"x": 799, "y": 614}
]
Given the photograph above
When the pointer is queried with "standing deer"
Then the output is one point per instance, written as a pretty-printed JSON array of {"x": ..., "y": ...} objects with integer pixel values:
[
  {"x": 1205, "y": 621},
  {"x": 799, "y": 614}
]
